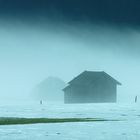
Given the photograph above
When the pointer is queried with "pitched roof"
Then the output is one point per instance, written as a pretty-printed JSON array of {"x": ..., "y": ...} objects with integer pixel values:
[{"x": 87, "y": 77}]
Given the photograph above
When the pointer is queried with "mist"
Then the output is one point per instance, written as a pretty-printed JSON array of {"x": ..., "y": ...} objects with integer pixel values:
[{"x": 30, "y": 53}]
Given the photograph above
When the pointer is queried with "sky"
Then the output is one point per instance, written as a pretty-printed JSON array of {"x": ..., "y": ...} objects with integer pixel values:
[{"x": 63, "y": 38}]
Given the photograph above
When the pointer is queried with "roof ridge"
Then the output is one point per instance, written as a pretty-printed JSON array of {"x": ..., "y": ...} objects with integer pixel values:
[{"x": 93, "y": 71}]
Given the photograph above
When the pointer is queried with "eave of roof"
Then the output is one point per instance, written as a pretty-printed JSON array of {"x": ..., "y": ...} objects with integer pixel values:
[{"x": 117, "y": 82}]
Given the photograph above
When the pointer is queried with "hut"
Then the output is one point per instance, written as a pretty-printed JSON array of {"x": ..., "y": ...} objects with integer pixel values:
[{"x": 91, "y": 87}]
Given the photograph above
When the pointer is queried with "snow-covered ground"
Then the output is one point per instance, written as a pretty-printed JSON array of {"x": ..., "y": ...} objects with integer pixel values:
[{"x": 128, "y": 128}]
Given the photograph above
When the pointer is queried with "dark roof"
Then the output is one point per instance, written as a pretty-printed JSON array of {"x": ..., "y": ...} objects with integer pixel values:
[{"x": 88, "y": 77}]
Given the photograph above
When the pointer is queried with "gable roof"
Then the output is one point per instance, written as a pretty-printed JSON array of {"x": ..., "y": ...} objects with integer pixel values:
[{"x": 88, "y": 77}]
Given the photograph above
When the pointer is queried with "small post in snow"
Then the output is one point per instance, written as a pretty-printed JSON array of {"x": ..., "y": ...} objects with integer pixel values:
[
  {"x": 41, "y": 102},
  {"x": 136, "y": 98}
]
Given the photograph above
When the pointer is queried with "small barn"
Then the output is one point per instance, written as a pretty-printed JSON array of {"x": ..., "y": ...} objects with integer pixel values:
[{"x": 91, "y": 87}]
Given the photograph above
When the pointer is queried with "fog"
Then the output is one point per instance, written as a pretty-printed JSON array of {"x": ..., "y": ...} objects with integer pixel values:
[{"x": 31, "y": 52}]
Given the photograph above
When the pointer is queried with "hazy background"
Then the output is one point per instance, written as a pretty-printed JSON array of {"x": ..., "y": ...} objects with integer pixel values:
[{"x": 42, "y": 38}]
